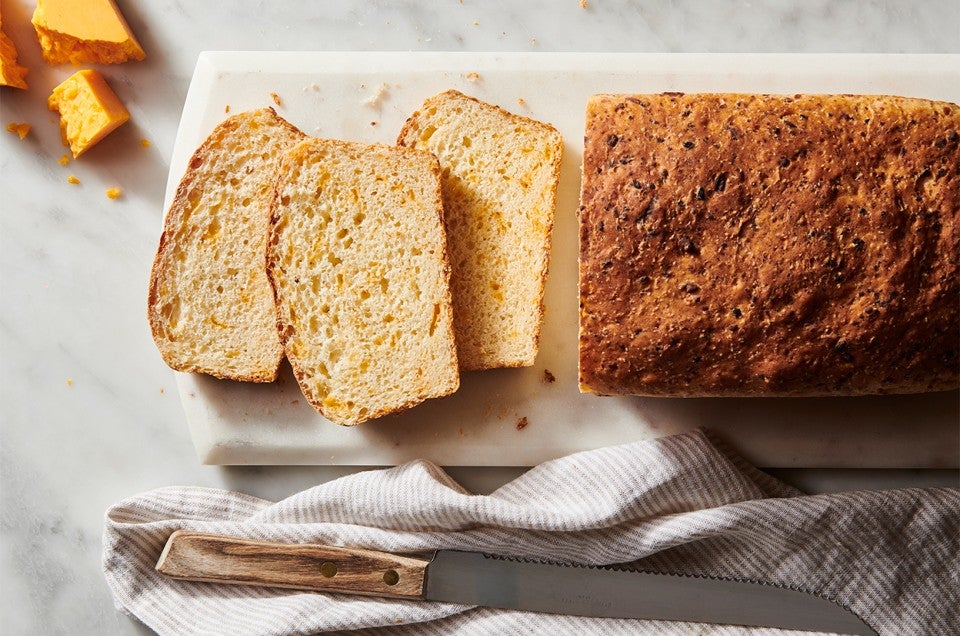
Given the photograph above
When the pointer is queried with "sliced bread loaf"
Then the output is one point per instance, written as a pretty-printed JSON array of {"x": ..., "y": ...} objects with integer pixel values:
[
  {"x": 358, "y": 264},
  {"x": 499, "y": 177},
  {"x": 210, "y": 304}
]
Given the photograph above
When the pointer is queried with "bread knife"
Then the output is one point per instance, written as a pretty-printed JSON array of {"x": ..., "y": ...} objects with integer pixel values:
[{"x": 473, "y": 578}]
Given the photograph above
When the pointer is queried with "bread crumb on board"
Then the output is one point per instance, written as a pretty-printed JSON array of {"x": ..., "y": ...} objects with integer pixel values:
[
  {"x": 114, "y": 193},
  {"x": 548, "y": 378},
  {"x": 473, "y": 77},
  {"x": 521, "y": 102},
  {"x": 72, "y": 179},
  {"x": 21, "y": 129},
  {"x": 522, "y": 423},
  {"x": 226, "y": 108},
  {"x": 373, "y": 101},
  {"x": 276, "y": 100},
  {"x": 162, "y": 390},
  {"x": 583, "y": 4},
  {"x": 63, "y": 160},
  {"x": 533, "y": 40}
]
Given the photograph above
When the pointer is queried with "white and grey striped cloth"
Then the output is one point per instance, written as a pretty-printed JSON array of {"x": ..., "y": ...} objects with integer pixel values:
[{"x": 678, "y": 504}]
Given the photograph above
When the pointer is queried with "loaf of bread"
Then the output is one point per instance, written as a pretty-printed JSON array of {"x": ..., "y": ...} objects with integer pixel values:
[
  {"x": 210, "y": 304},
  {"x": 358, "y": 263},
  {"x": 760, "y": 245},
  {"x": 500, "y": 174}
]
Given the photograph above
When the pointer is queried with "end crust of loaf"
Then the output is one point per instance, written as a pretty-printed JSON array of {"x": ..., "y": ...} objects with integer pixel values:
[
  {"x": 210, "y": 305},
  {"x": 499, "y": 174},
  {"x": 769, "y": 245},
  {"x": 358, "y": 263}
]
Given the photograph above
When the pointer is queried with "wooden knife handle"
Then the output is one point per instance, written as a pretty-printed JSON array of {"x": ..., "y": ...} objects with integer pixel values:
[{"x": 196, "y": 556}]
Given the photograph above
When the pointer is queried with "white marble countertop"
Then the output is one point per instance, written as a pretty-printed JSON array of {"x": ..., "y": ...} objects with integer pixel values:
[{"x": 89, "y": 412}]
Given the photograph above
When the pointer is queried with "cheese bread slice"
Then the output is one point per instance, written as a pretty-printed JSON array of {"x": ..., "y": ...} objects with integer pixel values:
[
  {"x": 358, "y": 263},
  {"x": 210, "y": 304},
  {"x": 500, "y": 174}
]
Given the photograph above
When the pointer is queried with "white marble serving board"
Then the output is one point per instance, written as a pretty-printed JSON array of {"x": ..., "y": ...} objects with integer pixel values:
[{"x": 333, "y": 94}]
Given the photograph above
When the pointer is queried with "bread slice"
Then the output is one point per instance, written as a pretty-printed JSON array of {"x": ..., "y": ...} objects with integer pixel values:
[
  {"x": 499, "y": 176},
  {"x": 210, "y": 304},
  {"x": 358, "y": 263}
]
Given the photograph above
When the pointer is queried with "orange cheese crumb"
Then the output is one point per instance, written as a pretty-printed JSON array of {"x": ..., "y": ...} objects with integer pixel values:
[
  {"x": 113, "y": 193},
  {"x": 473, "y": 77},
  {"x": 89, "y": 110},
  {"x": 276, "y": 99},
  {"x": 11, "y": 73},
  {"x": 69, "y": 381},
  {"x": 19, "y": 129},
  {"x": 72, "y": 179},
  {"x": 80, "y": 31},
  {"x": 64, "y": 160},
  {"x": 583, "y": 4},
  {"x": 145, "y": 143}
]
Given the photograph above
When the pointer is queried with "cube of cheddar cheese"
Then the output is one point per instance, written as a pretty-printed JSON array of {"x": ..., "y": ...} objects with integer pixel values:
[
  {"x": 11, "y": 73},
  {"x": 89, "y": 110},
  {"x": 79, "y": 31}
]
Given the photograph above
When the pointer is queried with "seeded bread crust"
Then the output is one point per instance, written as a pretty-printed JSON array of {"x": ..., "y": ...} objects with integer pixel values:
[
  {"x": 761, "y": 245},
  {"x": 246, "y": 347}
]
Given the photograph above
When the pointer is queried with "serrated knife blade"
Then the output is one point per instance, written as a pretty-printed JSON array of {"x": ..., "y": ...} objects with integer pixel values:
[{"x": 473, "y": 578}]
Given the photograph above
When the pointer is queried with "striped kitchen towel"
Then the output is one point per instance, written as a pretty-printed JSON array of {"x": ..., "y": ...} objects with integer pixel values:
[{"x": 678, "y": 504}]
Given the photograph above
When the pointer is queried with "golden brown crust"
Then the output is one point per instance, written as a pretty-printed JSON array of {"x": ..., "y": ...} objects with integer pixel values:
[
  {"x": 271, "y": 260},
  {"x": 769, "y": 245},
  {"x": 171, "y": 223},
  {"x": 407, "y": 138}
]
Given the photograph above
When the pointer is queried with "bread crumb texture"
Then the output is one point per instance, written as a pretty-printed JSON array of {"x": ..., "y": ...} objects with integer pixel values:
[
  {"x": 210, "y": 305},
  {"x": 358, "y": 263},
  {"x": 499, "y": 176},
  {"x": 89, "y": 110},
  {"x": 19, "y": 129},
  {"x": 769, "y": 245},
  {"x": 84, "y": 31},
  {"x": 11, "y": 73}
]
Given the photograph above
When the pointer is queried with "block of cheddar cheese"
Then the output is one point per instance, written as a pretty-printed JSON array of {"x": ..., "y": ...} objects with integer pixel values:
[
  {"x": 11, "y": 73},
  {"x": 89, "y": 110},
  {"x": 82, "y": 31}
]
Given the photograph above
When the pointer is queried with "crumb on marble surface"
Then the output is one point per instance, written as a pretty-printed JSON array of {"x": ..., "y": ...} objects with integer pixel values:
[
  {"x": 522, "y": 102},
  {"x": 72, "y": 179},
  {"x": 548, "y": 378},
  {"x": 69, "y": 381},
  {"x": 533, "y": 40},
  {"x": 63, "y": 160},
  {"x": 373, "y": 123},
  {"x": 276, "y": 100},
  {"x": 162, "y": 390},
  {"x": 114, "y": 193},
  {"x": 473, "y": 76},
  {"x": 19, "y": 128},
  {"x": 583, "y": 4},
  {"x": 522, "y": 423},
  {"x": 226, "y": 108},
  {"x": 145, "y": 143}
]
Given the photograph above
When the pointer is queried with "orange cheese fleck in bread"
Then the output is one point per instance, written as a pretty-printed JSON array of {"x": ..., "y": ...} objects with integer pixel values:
[{"x": 89, "y": 110}]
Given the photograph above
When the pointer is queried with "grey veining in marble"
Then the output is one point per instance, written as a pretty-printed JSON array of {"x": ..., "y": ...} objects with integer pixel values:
[{"x": 89, "y": 413}]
